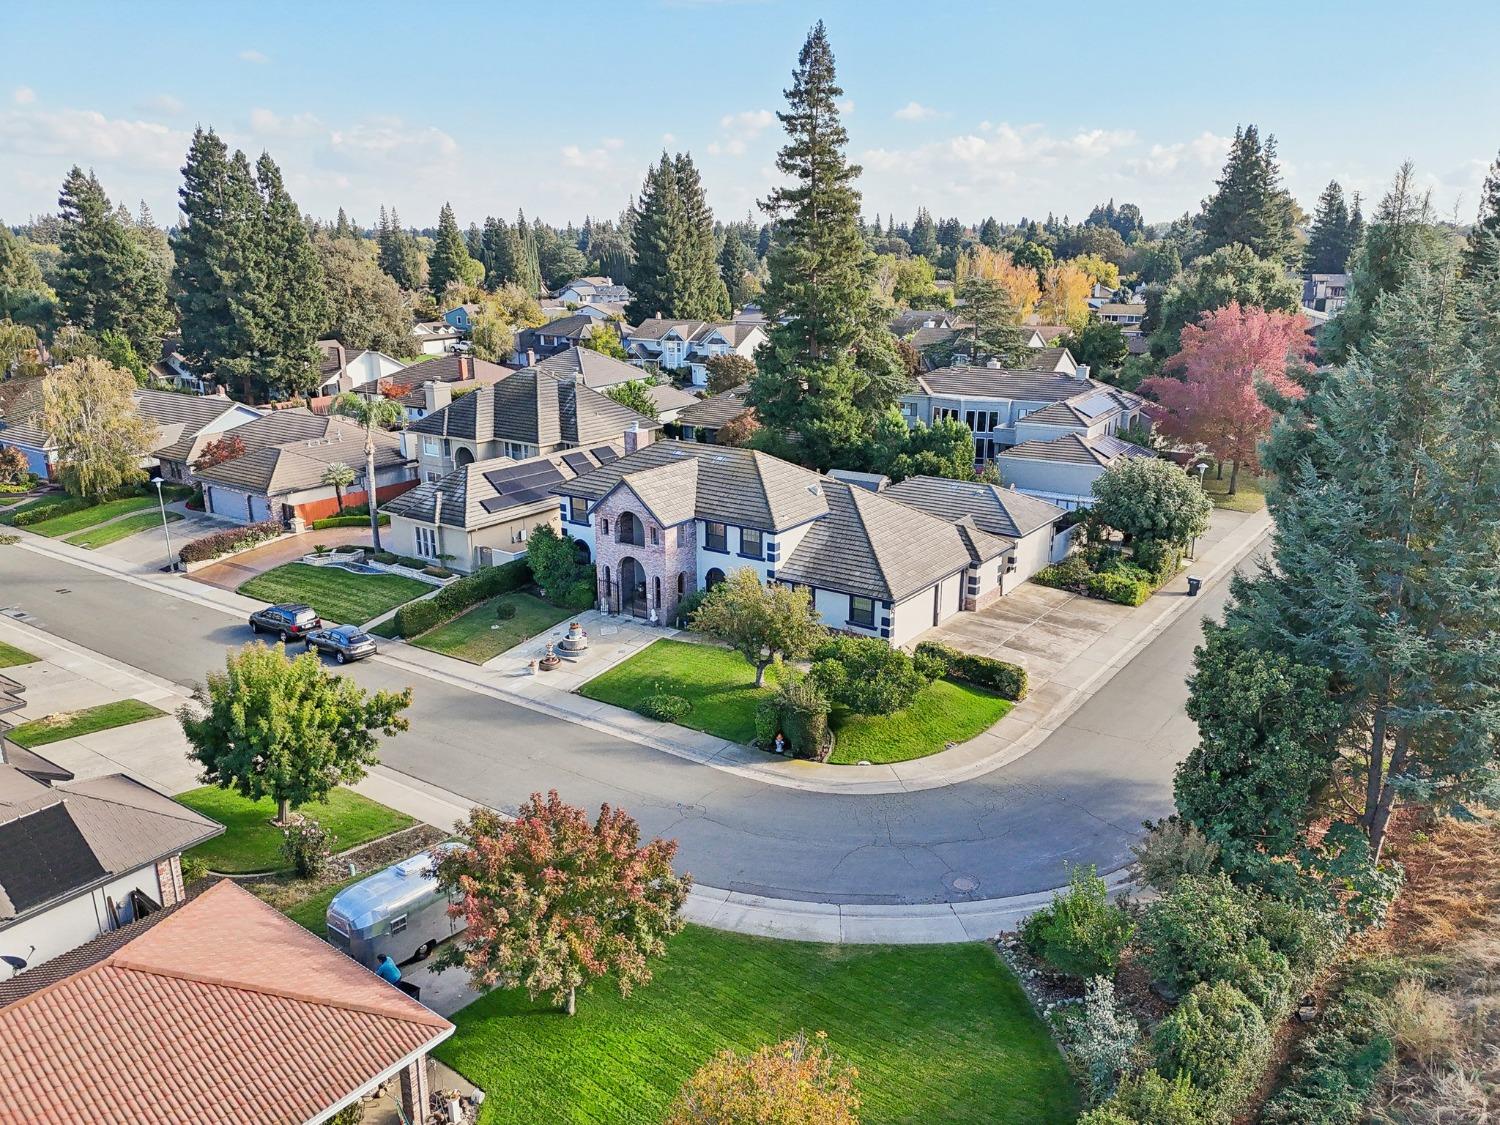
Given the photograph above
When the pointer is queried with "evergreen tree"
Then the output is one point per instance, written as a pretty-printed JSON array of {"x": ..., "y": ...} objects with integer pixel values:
[
  {"x": 1328, "y": 245},
  {"x": 293, "y": 307},
  {"x": 500, "y": 254},
  {"x": 924, "y": 241},
  {"x": 704, "y": 295},
  {"x": 1487, "y": 223},
  {"x": 528, "y": 260},
  {"x": 342, "y": 228},
  {"x": 400, "y": 256},
  {"x": 660, "y": 232},
  {"x": 450, "y": 259},
  {"x": 1249, "y": 205},
  {"x": 989, "y": 233},
  {"x": 735, "y": 264},
  {"x": 827, "y": 365}
]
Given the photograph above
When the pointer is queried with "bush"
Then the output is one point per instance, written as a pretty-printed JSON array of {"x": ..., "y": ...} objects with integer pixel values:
[
  {"x": 1172, "y": 848},
  {"x": 1101, "y": 1037},
  {"x": 688, "y": 604},
  {"x": 1217, "y": 1038},
  {"x": 57, "y": 508},
  {"x": 1070, "y": 574},
  {"x": 1336, "y": 1068},
  {"x": 437, "y": 572},
  {"x": 797, "y": 711},
  {"x": 193, "y": 870},
  {"x": 504, "y": 611},
  {"x": 867, "y": 675},
  {"x": 1307, "y": 938},
  {"x": 1197, "y": 933},
  {"x": 665, "y": 708},
  {"x": 1117, "y": 587},
  {"x": 415, "y": 618},
  {"x": 1080, "y": 932},
  {"x": 347, "y": 520},
  {"x": 219, "y": 543},
  {"x": 306, "y": 845},
  {"x": 1150, "y": 1099},
  {"x": 1003, "y": 678}
]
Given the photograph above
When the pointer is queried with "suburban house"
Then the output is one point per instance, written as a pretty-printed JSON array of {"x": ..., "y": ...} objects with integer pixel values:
[
  {"x": 191, "y": 418},
  {"x": 172, "y": 370},
  {"x": 687, "y": 345},
  {"x": 280, "y": 475},
  {"x": 462, "y": 317},
  {"x": 482, "y": 513},
  {"x": 600, "y": 372},
  {"x": 593, "y": 290},
  {"x": 558, "y": 335},
  {"x": 82, "y": 858},
  {"x": 675, "y": 517},
  {"x": 602, "y": 310},
  {"x": 1325, "y": 292},
  {"x": 458, "y": 373},
  {"x": 346, "y": 370},
  {"x": 219, "y": 1009},
  {"x": 1062, "y": 470},
  {"x": 704, "y": 419},
  {"x": 1043, "y": 335},
  {"x": 21, "y": 423},
  {"x": 1127, "y": 315},
  {"x": 530, "y": 413},
  {"x": 434, "y": 337},
  {"x": 909, "y": 321},
  {"x": 1100, "y": 294}
]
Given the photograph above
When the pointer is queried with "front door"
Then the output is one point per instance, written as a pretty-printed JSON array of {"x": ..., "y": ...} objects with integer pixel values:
[{"x": 633, "y": 588}]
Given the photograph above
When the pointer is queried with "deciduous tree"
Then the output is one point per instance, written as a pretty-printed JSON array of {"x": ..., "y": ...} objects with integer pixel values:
[
  {"x": 285, "y": 728},
  {"x": 552, "y": 901},
  {"x": 795, "y": 1082},
  {"x": 1065, "y": 295},
  {"x": 363, "y": 303},
  {"x": 604, "y": 339},
  {"x": 1153, "y": 502},
  {"x": 633, "y": 394},
  {"x": 230, "y": 447},
  {"x": 763, "y": 623},
  {"x": 727, "y": 371},
  {"x": 88, "y": 408},
  {"x": 1231, "y": 273}
]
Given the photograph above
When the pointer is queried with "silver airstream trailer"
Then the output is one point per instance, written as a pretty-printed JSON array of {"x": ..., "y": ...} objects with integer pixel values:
[{"x": 400, "y": 912}]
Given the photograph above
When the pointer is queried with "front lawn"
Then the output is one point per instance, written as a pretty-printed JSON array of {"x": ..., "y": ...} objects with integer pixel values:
[
  {"x": 88, "y": 517},
  {"x": 720, "y": 685},
  {"x": 252, "y": 843},
  {"x": 1249, "y": 496},
  {"x": 8, "y": 516},
  {"x": 11, "y": 656},
  {"x": 473, "y": 636},
  {"x": 105, "y": 534},
  {"x": 939, "y": 1033},
  {"x": 337, "y": 594},
  {"x": 72, "y": 724}
]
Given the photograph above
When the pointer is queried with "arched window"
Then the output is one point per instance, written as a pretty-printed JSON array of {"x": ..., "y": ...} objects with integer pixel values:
[
  {"x": 628, "y": 529},
  {"x": 713, "y": 578},
  {"x": 656, "y": 592}
]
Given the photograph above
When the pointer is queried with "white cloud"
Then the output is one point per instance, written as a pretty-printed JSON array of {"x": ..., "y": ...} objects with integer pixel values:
[
  {"x": 23, "y": 95},
  {"x": 732, "y": 147},
  {"x": 384, "y": 144},
  {"x": 164, "y": 103},
  {"x": 914, "y": 111},
  {"x": 250, "y": 55},
  {"x": 590, "y": 159},
  {"x": 846, "y": 107},
  {"x": 750, "y": 123},
  {"x": 1206, "y": 150},
  {"x": 668, "y": 139},
  {"x": 267, "y": 123}
]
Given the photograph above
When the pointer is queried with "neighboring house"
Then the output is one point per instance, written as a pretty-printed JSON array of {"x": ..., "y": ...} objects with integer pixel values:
[
  {"x": 909, "y": 321},
  {"x": 173, "y": 370},
  {"x": 457, "y": 372},
  {"x": 462, "y": 317},
  {"x": 751, "y": 314},
  {"x": 345, "y": 370},
  {"x": 280, "y": 476},
  {"x": 21, "y": 424},
  {"x": 688, "y": 345},
  {"x": 220, "y": 1009},
  {"x": 189, "y": 418},
  {"x": 1062, "y": 470},
  {"x": 435, "y": 337},
  {"x": 556, "y": 336},
  {"x": 1127, "y": 315},
  {"x": 676, "y": 517},
  {"x": 593, "y": 290},
  {"x": 483, "y": 513},
  {"x": 670, "y": 402},
  {"x": 1028, "y": 524},
  {"x": 525, "y": 415},
  {"x": 1043, "y": 335},
  {"x": 1325, "y": 292},
  {"x": 591, "y": 368},
  {"x": 1100, "y": 294},
  {"x": 602, "y": 310},
  {"x": 704, "y": 419}
]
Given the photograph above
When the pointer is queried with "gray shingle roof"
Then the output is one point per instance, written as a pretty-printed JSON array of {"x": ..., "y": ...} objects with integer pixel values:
[
  {"x": 574, "y": 326},
  {"x": 1077, "y": 449},
  {"x": 735, "y": 486},
  {"x": 653, "y": 328},
  {"x": 874, "y": 546},
  {"x": 276, "y": 427},
  {"x": 535, "y": 407},
  {"x": 279, "y": 469},
  {"x": 21, "y": 410},
  {"x": 992, "y": 508},
  {"x": 667, "y": 397},
  {"x": 717, "y": 410},
  {"x": 998, "y": 382},
  {"x": 591, "y": 368}
]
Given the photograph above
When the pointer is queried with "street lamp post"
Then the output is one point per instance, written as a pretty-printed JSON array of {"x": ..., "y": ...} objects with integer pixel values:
[
  {"x": 161, "y": 503},
  {"x": 1202, "y": 471}
]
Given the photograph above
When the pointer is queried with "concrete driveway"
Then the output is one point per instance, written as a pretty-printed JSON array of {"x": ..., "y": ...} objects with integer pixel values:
[
  {"x": 232, "y": 573},
  {"x": 147, "y": 550}
]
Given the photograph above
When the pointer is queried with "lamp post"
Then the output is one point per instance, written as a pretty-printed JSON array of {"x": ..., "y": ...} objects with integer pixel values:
[
  {"x": 161, "y": 503},
  {"x": 1202, "y": 468}
]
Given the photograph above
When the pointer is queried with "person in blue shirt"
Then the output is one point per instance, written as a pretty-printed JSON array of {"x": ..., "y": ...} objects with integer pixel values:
[{"x": 387, "y": 970}]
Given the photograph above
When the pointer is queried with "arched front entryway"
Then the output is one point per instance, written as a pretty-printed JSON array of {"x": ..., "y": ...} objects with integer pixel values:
[
  {"x": 581, "y": 552},
  {"x": 713, "y": 578},
  {"x": 463, "y": 457},
  {"x": 633, "y": 589},
  {"x": 628, "y": 529}
]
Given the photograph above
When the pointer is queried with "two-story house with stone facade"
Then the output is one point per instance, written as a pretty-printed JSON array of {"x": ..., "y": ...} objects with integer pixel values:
[
  {"x": 527, "y": 414},
  {"x": 676, "y": 517},
  {"x": 687, "y": 345}
]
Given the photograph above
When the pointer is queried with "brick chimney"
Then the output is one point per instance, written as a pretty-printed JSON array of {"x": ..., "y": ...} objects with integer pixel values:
[
  {"x": 465, "y": 367},
  {"x": 436, "y": 395},
  {"x": 633, "y": 438}
]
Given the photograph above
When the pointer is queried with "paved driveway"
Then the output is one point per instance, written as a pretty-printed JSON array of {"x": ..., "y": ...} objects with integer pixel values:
[
  {"x": 148, "y": 549},
  {"x": 232, "y": 573}
]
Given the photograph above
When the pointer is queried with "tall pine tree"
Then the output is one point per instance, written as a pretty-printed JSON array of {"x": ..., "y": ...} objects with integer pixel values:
[
  {"x": 499, "y": 254},
  {"x": 1249, "y": 205},
  {"x": 292, "y": 306},
  {"x": 528, "y": 258},
  {"x": 450, "y": 259},
  {"x": 400, "y": 256},
  {"x": 1328, "y": 243},
  {"x": 1487, "y": 222},
  {"x": 660, "y": 234},
  {"x": 703, "y": 293}
]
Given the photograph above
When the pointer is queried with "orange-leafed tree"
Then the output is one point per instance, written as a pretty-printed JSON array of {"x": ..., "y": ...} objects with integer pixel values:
[
  {"x": 795, "y": 1082},
  {"x": 1223, "y": 360},
  {"x": 227, "y": 448},
  {"x": 553, "y": 901}
]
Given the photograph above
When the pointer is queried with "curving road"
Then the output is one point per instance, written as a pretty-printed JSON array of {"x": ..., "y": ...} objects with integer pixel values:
[{"x": 1077, "y": 798}]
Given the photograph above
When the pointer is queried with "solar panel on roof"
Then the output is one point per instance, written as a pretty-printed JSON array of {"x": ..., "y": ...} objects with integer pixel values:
[
  {"x": 578, "y": 462},
  {"x": 606, "y": 455},
  {"x": 1095, "y": 405},
  {"x": 524, "y": 478}
]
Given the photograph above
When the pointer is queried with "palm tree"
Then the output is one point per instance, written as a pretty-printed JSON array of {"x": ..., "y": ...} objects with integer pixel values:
[
  {"x": 341, "y": 476},
  {"x": 370, "y": 411}
]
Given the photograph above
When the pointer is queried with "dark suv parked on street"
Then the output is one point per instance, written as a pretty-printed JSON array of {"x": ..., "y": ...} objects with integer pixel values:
[{"x": 289, "y": 622}]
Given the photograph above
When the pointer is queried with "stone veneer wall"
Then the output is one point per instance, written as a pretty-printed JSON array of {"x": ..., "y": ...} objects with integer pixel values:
[{"x": 663, "y": 560}]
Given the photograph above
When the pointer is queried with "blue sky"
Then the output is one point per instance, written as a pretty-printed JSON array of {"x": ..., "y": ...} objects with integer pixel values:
[{"x": 971, "y": 109}]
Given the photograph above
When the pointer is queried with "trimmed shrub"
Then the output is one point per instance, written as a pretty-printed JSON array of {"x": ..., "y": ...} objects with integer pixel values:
[
  {"x": 1070, "y": 574},
  {"x": 1199, "y": 932},
  {"x": 1113, "y": 586},
  {"x": 437, "y": 572},
  {"x": 347, "y": 520},
  {"x": 219, "y": 543},
  {"x": 1003, "y": 678},
  {"x": 504, "y": 611},
  {"x": 799, "y": 712},
  {"x": 56, "y": 508},
  {"x": 1150, "y": 1099},
  {"x": 1080, "y": 932},
  {"x": 866, "y": 675},
  {"x": 1336, "y": 1069},
  {"x": 1217, "y": 1039},
  {"x": 1307, "y": 938},
  {"x": 665, "y": 707},
  {"x": 415, "y": 618}
]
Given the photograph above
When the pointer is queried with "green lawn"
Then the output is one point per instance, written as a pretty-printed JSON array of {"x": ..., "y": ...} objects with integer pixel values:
[
  {"x": 337, "y": 595},
  {"x": 721, "y": 687},
  {"x": 472, "y": 636},
  {"x": 88, "y": 517},
  {"x": 939, "y": 1033},
  {"x": 946, "y": 712},
  {"x": 8, "y": 516},
  {"x": 252, "y": 843},
  {"x": 11, "y": 656},
  {"x": 312, "y": 913},
  {"x": 72, "y": 724},
  {"x": 109, "y": 533},
  {"x": 1249, "y": 495}
]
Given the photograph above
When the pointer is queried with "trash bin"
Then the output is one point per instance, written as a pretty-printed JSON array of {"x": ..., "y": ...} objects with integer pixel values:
[{"x": 1194, "y": 585}]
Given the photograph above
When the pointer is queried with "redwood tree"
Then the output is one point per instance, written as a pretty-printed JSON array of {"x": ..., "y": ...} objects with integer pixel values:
[
  {"x": 552, "y": 901},
  {"x": 1223, "y": 359}
]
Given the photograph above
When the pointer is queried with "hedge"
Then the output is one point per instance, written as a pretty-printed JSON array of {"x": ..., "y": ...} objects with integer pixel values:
[
  {"x": 63, "y": 507},
  {"x": 1004, "y": 679},
  {"x": 415, "y": 618},
  {"x": 349, "y": 521},
  {"x": 230, "y": 539}
]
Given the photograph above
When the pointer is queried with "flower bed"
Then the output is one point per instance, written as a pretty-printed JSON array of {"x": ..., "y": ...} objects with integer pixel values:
[{"x": 217, "y": 544}]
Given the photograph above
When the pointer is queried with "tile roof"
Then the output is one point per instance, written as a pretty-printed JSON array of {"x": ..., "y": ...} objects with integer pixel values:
[
  {"x": 997, "y": 510},
  {"x": 449, "y": 368},
  {"x": 591, "y": 368},
  {"x": 535, "y": 407},
  {"x": 736, "y": 486},
  {"x": 654, "y": 328},
  {"x": 1027, "y": 385},
  {"x": 911, "y": 320},
  {"x": 874, "y": 546},
  {"x": 666, "y": 397},
  {"x": 278, "y": 469},
  {"x": 1077, "y": 449},
  {"x": 275, "y": 427},
  {"x": 716, "y": 410},
  {"x": 221, "y": 1011},
  {"x": 575, "y": 325},
  {"x": 21, "y": 410}
]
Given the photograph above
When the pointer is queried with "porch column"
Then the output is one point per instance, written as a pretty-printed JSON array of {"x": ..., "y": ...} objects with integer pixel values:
[{"x": 415, "y": 1089}]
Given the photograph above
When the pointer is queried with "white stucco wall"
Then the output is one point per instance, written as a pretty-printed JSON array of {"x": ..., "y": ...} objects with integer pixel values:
[
  {"x": 70, "y": 924},
  {"x": 1033, "y": 552},
  {"x": 1050, "y": 478}
]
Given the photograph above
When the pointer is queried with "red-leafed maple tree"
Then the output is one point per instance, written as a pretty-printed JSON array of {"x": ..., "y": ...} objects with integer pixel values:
[
  {"x": 227, "y": 448},
  {"x": 1223, "y": 359},
  {"x": 553, "y": 901}
]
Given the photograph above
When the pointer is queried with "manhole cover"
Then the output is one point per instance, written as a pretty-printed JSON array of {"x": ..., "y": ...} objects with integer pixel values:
[{"x": 963, "y": 884}]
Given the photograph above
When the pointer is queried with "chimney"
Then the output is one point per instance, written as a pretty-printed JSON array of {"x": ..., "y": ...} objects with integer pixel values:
[
  {"x": 633, "y": 438},
  {"x": 465, "y": 367},
  {"x": 1083, "y": 371},
  {"x": 530, "y": 357},
  {"x": 435, "y": 395},
  {"x": 658, "y": 314}
]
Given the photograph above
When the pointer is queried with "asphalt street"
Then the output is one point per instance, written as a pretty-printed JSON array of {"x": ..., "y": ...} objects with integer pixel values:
[{"x": 1079, "y": 797}]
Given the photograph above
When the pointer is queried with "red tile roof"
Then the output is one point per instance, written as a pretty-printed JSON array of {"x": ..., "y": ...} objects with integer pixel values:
[{"x": 224, "y": 1011}]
